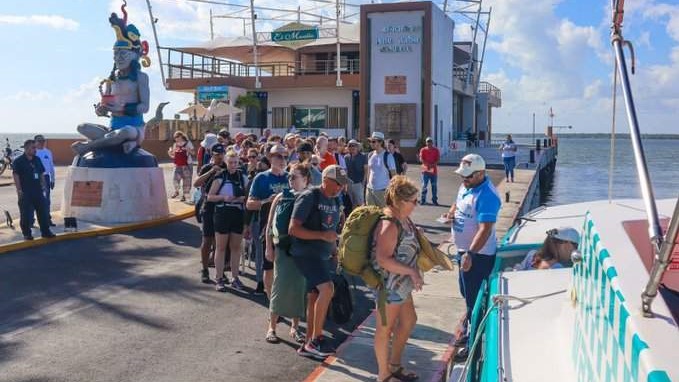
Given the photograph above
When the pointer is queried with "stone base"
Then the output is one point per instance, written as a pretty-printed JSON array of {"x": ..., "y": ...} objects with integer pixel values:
[{"x": 115, "y": 195}]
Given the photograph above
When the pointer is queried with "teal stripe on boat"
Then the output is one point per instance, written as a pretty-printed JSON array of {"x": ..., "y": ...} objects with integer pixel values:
[
  {"x": 658, "y": 376},
  {"x": 611, "y": 273},
  {"x": 622, "y": 322},
  {"x": 638, "y": 345},
  {"x": 491, "y": 367}
]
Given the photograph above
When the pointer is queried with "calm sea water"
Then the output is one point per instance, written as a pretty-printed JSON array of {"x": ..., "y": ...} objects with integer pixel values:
[{"x": 582, "y": 167}]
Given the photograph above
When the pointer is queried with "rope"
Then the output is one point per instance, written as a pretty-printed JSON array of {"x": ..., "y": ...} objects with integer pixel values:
[{"x": 611, "y": 160}]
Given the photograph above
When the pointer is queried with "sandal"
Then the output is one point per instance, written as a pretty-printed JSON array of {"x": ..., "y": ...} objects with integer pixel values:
[
  {"x": 399, "y": 372},
  {"x": 271, "y": 337},
  {"x": 391, "y": 378},
  {"x": 297, "y": 336}
]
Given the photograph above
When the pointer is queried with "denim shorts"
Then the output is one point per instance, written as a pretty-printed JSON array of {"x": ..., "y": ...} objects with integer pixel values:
[{"x": 392, "y": 297}]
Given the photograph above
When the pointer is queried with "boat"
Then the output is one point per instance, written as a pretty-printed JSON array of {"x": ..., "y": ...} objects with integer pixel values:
[{"x": 610, "y": 316}]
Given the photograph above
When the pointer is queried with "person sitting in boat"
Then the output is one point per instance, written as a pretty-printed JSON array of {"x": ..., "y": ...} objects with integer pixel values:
[{"x": 555, "y": 251}]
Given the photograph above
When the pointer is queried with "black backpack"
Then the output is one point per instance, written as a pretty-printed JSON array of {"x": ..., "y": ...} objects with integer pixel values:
[{"x": 341, "y": 306}]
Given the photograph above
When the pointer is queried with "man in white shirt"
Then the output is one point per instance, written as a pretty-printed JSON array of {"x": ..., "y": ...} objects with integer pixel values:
[
  {"x": 473, "y": 215},
  {"x": 381, "y": 167},
  {"x": 47, "y": 160}
]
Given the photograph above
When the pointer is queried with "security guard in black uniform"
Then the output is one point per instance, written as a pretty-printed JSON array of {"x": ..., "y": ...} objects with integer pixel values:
[{"x": 29, "y": 178}]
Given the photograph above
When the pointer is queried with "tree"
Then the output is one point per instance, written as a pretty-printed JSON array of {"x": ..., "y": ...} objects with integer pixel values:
[{"x": 247, "y": 100}]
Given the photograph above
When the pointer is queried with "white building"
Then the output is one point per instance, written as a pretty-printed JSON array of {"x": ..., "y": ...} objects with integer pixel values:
[{"x": 399, "y": 74}]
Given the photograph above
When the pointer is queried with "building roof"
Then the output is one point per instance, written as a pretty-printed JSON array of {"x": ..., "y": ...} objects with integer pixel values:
[{"x": 239, "y": 48}]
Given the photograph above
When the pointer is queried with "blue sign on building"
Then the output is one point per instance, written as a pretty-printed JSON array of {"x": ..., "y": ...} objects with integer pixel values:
[{"x": 208, "y": 93}]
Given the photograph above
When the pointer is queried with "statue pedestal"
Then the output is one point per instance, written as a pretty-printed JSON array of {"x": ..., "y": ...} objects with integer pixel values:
[{"x": 115, "y": 195}]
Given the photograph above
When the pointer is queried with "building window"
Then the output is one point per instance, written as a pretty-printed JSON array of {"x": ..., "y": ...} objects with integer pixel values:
[
  {"x": 310, "y": 118},
  {"x": 338, "y": 117},
  {"x": 281, "y": 117}
]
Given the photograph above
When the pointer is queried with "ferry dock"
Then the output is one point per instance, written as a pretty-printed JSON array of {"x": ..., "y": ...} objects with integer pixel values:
[{"x": 130, "y": 306}]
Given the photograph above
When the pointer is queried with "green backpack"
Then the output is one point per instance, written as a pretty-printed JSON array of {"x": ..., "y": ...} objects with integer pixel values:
[
  {"x": 355, "y": 247},
  {"x": 281, "y": 221},
  {"x": 356, "y": 241}
]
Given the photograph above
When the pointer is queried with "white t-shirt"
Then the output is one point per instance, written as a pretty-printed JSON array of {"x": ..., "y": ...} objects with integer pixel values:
[
  {"x": 508, "y": 149},
  {"x": 378, "y": 178},
  {"x": 480, "y": 204}
]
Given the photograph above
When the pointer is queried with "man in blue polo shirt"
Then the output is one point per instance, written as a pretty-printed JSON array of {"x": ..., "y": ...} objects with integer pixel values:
[{"x": 474, "y": 214}]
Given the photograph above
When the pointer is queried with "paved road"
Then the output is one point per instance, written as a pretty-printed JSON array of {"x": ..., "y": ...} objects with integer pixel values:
[{"x": 132, "y": 308}]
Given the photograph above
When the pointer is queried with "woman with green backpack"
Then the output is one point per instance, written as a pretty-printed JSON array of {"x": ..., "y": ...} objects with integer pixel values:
[
  {"x": 394, "y": 255},
  {"x": 288, "y": 293}
]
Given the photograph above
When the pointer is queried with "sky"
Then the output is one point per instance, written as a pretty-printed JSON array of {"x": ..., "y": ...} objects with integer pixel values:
[{"x": 542, "y": 54}]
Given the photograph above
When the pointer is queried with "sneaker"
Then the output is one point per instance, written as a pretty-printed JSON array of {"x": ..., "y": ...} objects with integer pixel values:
[
  {"x": 221, "y": 285},
  {"x": 205, "y": 276},
  {"x": 435, "y": 203},
  {"x": 174, "y": 195},
  {"x": 49, "y": 235},
  {"x": 314, "y": 348},
  {"x": 226, "y": 279},
  {"x": 302, "y": 352},
  {"x": 28, "y": 237},
  {"x": 183, "y": 199},
  {"x": 237, "y": 285},
  {"x": 260, "y": 289}
]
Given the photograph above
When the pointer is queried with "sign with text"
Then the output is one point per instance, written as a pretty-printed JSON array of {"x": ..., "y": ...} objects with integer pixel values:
[
  {"x": 87, "y": 193},
  {"x": 208, "y": 93},
  {"x": 395, "y": 85},
  {"x": 294, "y": 35}
]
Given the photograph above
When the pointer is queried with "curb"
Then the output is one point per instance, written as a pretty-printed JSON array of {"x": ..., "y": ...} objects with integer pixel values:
[
  {"x": 320, "y": 369},
  {"x": 38, "y": 242}
]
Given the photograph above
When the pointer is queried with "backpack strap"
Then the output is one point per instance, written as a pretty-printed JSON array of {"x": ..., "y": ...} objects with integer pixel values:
[
  {"x": 381, "y": 290},
  {"x": 385, "y": 156}
]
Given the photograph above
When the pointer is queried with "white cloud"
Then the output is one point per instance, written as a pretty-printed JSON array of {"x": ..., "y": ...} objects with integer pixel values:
[
  {"x": 27, "y": 96},
  {"x": 52, "y": 21}
]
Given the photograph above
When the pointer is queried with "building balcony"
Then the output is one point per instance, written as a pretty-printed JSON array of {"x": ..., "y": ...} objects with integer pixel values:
[
  {"x": 494, "y": 93},
  {"x": 186, "y": 71}
]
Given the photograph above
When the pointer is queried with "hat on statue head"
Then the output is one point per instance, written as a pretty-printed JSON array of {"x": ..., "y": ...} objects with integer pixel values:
[{"x": 128, "y": 36}]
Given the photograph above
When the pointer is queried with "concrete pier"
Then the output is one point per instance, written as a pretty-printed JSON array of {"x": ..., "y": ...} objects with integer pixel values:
[{"x": 439, "y": 305}]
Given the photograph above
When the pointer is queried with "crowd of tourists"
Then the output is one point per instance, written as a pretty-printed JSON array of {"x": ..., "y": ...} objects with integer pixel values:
[{"x": 282, "y": 202}]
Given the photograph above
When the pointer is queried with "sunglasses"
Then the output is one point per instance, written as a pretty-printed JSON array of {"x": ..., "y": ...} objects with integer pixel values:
[
  {"x": 470, "y": 176},
  {"x": 252, "y": 156}
]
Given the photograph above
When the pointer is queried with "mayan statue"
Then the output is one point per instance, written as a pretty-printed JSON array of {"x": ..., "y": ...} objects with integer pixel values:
[{"x": 124, "y": 95}]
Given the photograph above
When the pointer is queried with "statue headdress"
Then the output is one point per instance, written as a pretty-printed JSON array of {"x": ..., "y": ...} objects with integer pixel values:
[{"x": 128, "y": 36}]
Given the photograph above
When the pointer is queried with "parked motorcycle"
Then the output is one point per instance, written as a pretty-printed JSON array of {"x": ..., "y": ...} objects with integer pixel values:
[{"x": 8, "y": 156}]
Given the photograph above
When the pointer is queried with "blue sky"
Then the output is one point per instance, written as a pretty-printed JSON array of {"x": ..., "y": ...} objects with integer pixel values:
[{"x": 541, "y": 53}]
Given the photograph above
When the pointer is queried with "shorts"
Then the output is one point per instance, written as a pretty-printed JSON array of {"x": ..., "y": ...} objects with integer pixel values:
[
  {"x": 266, "y": 264},
  {"x": 228, "y": 219},
  {"x": 315, "y": 269},
  {"x": 392, "y": 297},
  {"x": 208, "y": 222}
]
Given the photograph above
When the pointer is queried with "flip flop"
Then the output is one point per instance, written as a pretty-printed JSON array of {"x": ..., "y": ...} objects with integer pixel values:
[{"x": 402, "y": 375}]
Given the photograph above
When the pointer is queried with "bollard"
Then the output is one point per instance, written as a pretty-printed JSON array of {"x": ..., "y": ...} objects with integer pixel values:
[
  {"x": 544, "y": 143},
  {"x": 507, "y": 197},
  {"x": 537, "y": 144},
  {"x": 532, "y": 155}
]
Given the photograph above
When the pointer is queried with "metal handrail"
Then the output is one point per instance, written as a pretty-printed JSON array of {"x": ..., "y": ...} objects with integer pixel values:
[
  {"x": 182, "y": 64},
  {"x": 654, "y": 229}
]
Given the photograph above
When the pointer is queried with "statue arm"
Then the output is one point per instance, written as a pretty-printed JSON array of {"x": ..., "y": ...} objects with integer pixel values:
[{"x": 144, "y": 94}]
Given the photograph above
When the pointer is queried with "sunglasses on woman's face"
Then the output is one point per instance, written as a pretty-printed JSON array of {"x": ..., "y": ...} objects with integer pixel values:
[{"x": 252, "y": 156}]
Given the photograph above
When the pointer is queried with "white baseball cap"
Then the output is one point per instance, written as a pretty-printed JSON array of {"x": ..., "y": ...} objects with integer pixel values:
[
  {"x": 565, "y": 234},
  {"x": 471, "y": 163},
  {"x": 377, "y": 135}
]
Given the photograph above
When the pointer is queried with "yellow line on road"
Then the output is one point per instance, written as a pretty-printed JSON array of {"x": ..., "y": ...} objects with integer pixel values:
[{"x": 7, "y": 248}]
